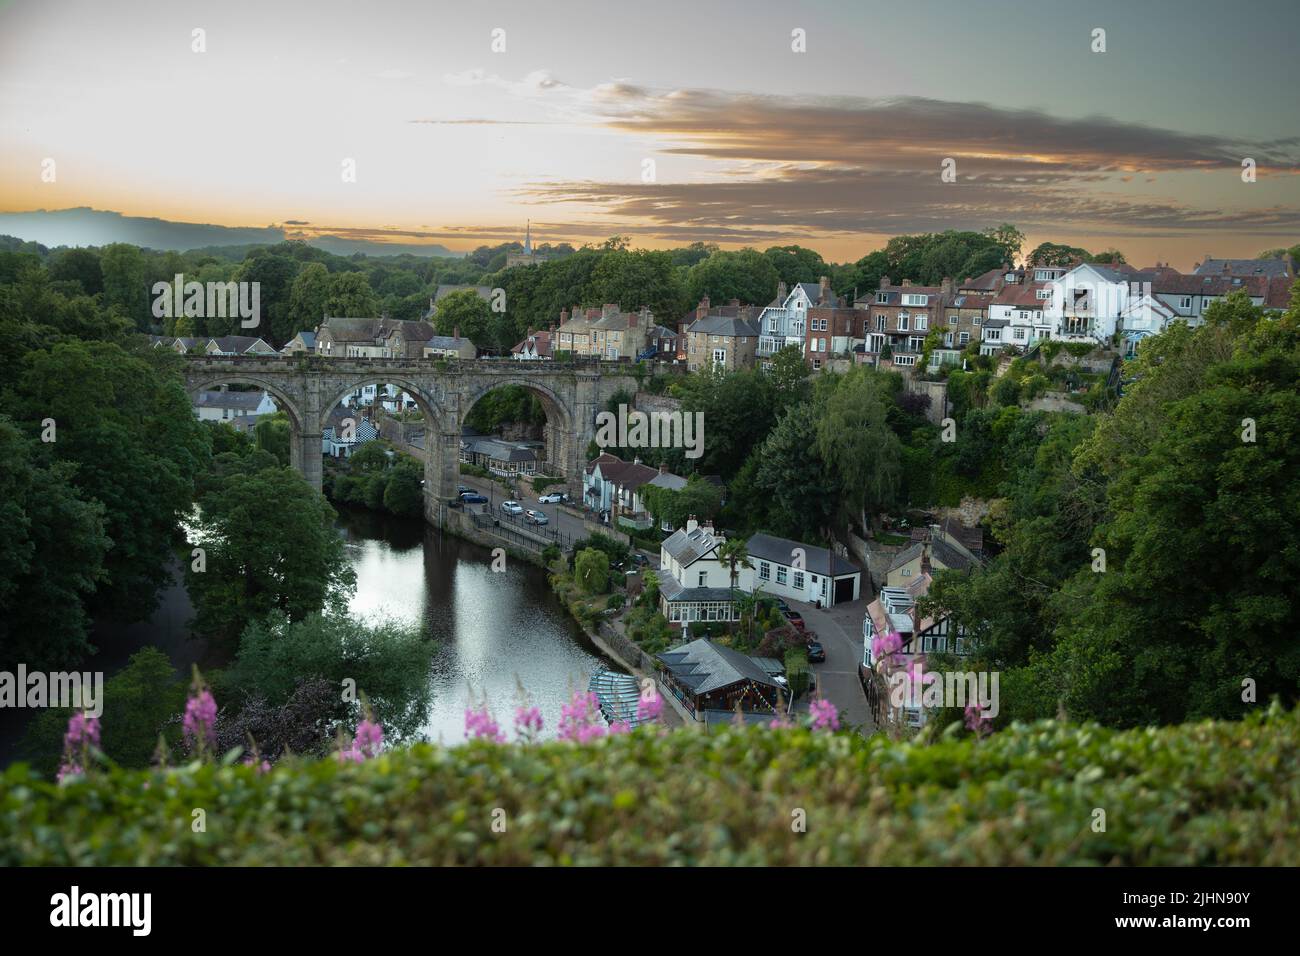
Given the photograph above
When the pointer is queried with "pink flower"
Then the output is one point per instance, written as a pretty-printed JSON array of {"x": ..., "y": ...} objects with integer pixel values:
[
  {"x": 350, "y": 755},
  {"x": 83, "y": 730},
  {"x": 528, "y": 722},
  {"x": 69, "y": 771},
  {"x": 369, "y": 738},
  {"x": 200, "y": 723},
  {"x": 977, "y": 722},
  {"x": 780, "y": 722},
  {"x": 649, "y": 706},
  {"x": 824, "y": 715},
  {"x": 579, "y": 718},
  {"x": 479, "y": 725}
]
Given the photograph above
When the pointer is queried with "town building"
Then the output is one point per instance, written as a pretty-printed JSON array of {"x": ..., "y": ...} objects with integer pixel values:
[
  {"x": 498, "y": 456},
  {"x": 900, "y": 317},
  {"x": 618, "y": 487},
  {"x": 535, "y": 347},
  {"x": 802, "y": 572},
  {"x": 713, "y": 682},
  {"x": 784, "y": 321},
  {"x": 606, "y": 333},
  {"x": 528, "y": 257},
  {"x": 238, "y": 345},
  {"x": 304, "y": 343},
  {"x": 222, "y": 405},
  {"x": 694, "y": 582},
  {"x": 718, "y": 340}
]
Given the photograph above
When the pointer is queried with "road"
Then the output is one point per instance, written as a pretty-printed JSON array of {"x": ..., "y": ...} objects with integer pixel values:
[
  {"x": 840, "y": 631},
  {"x": 569, "y": 525}
]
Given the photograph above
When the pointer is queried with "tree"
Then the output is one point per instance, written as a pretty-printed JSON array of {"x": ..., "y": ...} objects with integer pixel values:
[
  {"x": 309, "y": 297},
  {"x": 638, "y": 278},
  {"x": 350, "y": 296},
  {"x": 746, "y": 275},
  {"x": 388, "y": 661},
  {"x": 404, "y": 492},
  {"x": 125, "y": 288},
  {"x": 128, "y": 430},
  {"x": 270, "y": 547},
  {"x": 273, "y": 434},
  {"x": 275, "y": 275},
  {"x": 1009, "y": 240},
  {"x": 855, "y": 440},
  {"x": 735, "y": 555},
  {"x": 80, "y": 266},
  {"x": 465, "y": 312},
  {"x": 53, "y": 553},
  {"x": 792, "y": 479},
  {"x": 591, "y": 571},
  {"x": 139, "y": 701},
  {"x": 796, "y": 264}
]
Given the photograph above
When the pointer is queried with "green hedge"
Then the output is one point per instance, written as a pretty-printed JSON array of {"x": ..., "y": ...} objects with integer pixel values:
[{"x": 1208, "y": 793}]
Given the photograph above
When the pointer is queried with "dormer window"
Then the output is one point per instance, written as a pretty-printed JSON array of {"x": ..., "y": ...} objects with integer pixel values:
[
  {"x": 912, "y": 298},
  {"x": 882, "y": 298}
]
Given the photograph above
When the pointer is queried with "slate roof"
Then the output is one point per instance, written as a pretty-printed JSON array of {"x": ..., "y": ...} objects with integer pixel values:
[
  {"x": 499, "y": 450},
  {"x": 244, "y": 400},
  {"x": 723, "y": 325},
  {"x": 688, "y": 548},
  {"x": 237, "y": 344},
  {"x": 675, "y": 592},
  {"x": 705, "y": 667},
  {"x": 1272, "y": 268},
  {"x": 941, "y": 553},
  {"x": 541, "y": 343},
  {"x": 816, "y": 560}
]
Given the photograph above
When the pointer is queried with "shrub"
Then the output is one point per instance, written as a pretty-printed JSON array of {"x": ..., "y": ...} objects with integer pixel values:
[
  {"x": 796, "y": 669},
  {"x": 616, "y": 602},
  {"x": 591, "y": 571},
  {"x": 1211, "y": 793}
]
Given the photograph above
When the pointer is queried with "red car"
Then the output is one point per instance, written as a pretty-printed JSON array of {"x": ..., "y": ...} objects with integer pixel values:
[{"x": 796, "y": 620}]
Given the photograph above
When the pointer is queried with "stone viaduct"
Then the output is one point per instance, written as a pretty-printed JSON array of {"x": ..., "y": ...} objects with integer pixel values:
[{"x": 308, "y": 387}]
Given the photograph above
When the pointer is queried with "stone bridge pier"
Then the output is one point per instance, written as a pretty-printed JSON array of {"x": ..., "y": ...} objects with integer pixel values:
[{"x": 308, "y": 388}]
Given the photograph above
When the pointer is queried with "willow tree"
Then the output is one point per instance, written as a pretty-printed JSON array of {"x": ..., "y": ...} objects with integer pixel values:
[{"x": 855, "y": 440}]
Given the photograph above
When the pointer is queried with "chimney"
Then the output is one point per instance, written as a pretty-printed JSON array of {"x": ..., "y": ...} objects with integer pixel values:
[
  {"x": 781, "y": 291},
  {"x": 925, "y": 558},
  {"x": 608, "y": 309},
  {"x": 907, "y": 283},
  {"x": 824, "y": 289},
  {"x": 564, "y": 315},
  {"x": 884, "y": 282},
  {"x": 946, "y": 286},
  {"x": 455, "y": 331},
  {"x": 702, "y": 309},
  {"x": 691, "y": 523},
  {"x": 636, "y": 460},
  {"x": 663, "y": 468},
  {"x": 1227, "y": 268},
  {"x": 633, "y": 318}
]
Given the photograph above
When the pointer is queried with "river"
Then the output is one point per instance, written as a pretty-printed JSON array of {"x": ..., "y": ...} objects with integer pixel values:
[{"x": 494, "y": 630}]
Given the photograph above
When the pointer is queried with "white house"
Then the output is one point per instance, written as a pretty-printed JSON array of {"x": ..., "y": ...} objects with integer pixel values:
[
  {"x": 341, "y": 442},
  {"x": 694, "y": 583},
  {"x": 222, "y": 406},
  {"x": 611, "y": 484},
  {"x": 238, "y": 345},
  {"x": 1144, "y": 317},
  {"x": 1017, "y": 311},
  {"x": 1086, "y": 303},
  {"x": 802, "y": 572}
]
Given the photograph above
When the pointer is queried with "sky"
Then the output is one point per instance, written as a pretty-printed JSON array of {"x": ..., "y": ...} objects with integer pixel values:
[{"x": 669, "y": 123}]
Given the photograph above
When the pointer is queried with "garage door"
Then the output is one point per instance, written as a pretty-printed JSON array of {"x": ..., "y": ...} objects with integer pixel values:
[{"x": 843, "y": 590}]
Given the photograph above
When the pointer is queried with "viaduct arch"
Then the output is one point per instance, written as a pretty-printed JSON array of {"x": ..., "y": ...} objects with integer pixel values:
[{"x": 307, "y": 388}]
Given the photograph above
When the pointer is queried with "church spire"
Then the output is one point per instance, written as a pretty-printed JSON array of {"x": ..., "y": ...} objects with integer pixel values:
[{"x": 528, "y": 238}]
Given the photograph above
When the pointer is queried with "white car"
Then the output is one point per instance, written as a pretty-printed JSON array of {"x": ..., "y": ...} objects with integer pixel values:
[
  {"x": 512, "y": 507},
  {"x": 553, "y": 498}
]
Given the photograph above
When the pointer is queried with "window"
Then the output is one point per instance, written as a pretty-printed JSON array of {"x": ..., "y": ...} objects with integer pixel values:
[
  {"x": 882, "y": 297},
  {"x": 719, "y": 356},
  {"x": 904, "y": 359},
  {"x": 780, "y": 574},
  {"x": 880, "y": 322},
  {"x": 798, "y": 580},
  {"x": 1186, "y": 302},
  {"x": 911, "y": 298},
  {"x": 922, "y": 323},
  {"x": 704, "y": 579},
  {"x": 903, "y": 320},
  {"x": 963, "y": 338},
  {"x": 1020, "y": 334},
  {"x": 916, "y": 343},
  {"x": 1044, "y": 294},
  {"x": 817, "y": 365},
  {"x": 993, "y": 335},
  {"x": 952, "y": 320}
]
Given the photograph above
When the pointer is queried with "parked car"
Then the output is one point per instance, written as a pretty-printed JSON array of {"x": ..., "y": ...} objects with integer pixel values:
[
  {"x": 795, "y": 619},
  {"x": 551, "y": 498},
  {"x": 473, "y": 498},
  {"x": 816, "y": 653},
  {"x": 535, "y": 517},
  {"x": 512, "y": 507},
  {"x": 464, "y": 490},
  {"x": 639, "y": 559}
]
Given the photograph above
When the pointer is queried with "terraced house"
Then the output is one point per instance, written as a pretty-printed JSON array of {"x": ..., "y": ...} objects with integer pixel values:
[
  {"x": 723, "y": 336},
  {"x": 784, "y": 321},
  {"x": 899, "y": 318},
  {"x": 606, "y": 333}
]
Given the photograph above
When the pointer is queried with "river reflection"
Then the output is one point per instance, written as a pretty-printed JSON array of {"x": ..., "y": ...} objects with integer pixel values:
[{"x": 494, "y": 629}]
